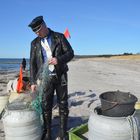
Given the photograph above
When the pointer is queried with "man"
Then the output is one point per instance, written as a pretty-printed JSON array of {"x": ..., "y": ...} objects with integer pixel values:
[
  {"x": 52, "y": 47},
  {"x": 23, "y": 63}
]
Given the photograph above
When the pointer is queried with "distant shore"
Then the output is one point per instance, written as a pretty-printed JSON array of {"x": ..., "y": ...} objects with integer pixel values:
[{"x": 116, "y": 56}]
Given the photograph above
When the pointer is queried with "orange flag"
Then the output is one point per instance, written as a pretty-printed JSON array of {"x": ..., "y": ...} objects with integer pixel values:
[
  {"x": 67, "y": 34},
  {"x": 20, "y": 83}
]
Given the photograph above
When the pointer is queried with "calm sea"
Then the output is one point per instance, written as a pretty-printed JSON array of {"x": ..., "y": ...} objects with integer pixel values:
[{"x": 7, "y": 64}]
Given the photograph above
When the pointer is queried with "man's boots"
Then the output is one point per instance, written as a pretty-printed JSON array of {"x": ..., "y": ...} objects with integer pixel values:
[
  {"x": 47, "y": 127},
  {"x": 63, "y": 127}
]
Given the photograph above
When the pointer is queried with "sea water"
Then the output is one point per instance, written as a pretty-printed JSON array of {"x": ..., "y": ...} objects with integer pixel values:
[{"x": 10, "y": 65}]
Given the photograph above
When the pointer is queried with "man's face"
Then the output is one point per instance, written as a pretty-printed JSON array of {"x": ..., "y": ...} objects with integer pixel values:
[{"x": 43, "y": 31}]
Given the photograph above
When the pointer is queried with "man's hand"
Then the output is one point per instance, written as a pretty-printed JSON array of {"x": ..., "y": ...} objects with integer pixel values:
[
  {"x": 33, "y": 88},
  {"x": 53, "y": 61}
]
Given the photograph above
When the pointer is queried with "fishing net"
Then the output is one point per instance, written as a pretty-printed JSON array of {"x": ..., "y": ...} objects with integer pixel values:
[{"x": 43, "y": 84}]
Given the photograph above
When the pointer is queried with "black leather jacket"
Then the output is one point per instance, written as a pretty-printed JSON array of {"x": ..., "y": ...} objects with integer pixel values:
[{"x": 61, "y": 49}]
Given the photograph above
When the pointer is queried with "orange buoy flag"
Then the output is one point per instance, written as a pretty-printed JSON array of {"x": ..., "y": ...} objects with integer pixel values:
[
  {"x": 20, "y": 82},
  {"x": 67, "y": 34}
]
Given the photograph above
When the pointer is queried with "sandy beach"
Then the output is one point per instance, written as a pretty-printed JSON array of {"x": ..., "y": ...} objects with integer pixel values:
[{"x": 88, "y": 78}]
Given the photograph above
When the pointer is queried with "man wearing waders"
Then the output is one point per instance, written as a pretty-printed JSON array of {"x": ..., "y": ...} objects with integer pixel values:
[
  {"x": 52, "y": 47},
  {"x": 23, "y": 63}
]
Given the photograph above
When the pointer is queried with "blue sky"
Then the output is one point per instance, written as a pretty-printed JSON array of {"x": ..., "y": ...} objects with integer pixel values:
[{"x": 96, "y": 26}]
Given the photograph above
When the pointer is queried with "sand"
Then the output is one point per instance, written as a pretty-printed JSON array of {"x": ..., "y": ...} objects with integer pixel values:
[{"x": 88, "y": 78}]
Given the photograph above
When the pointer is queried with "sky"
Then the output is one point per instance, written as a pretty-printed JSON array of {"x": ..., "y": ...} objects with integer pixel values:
[{"x": 96, "y": 26}]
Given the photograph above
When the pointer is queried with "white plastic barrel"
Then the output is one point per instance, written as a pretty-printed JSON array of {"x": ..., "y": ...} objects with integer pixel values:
[
  {"x": 3, "y": 102},
  {"x": 21, "y": 124},
  {"x": 137, "y": 117},
  {"x": 110, "y": 128}
]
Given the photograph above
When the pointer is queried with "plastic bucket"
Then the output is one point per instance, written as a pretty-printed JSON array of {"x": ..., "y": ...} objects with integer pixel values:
[{"x": 117, "y": 103}]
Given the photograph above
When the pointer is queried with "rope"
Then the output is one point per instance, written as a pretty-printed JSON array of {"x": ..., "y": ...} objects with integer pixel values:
[{"x": 134, "y": 127}]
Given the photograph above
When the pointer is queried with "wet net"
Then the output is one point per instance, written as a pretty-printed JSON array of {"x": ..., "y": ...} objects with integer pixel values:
[{"x": 42, "y": 85}]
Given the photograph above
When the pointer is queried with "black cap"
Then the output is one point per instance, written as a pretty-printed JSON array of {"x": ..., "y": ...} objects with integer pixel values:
[{"x": 36, "y": 23}]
